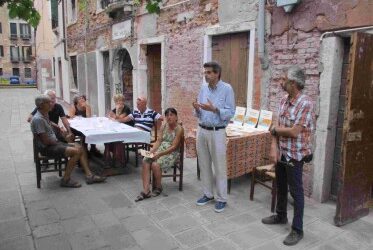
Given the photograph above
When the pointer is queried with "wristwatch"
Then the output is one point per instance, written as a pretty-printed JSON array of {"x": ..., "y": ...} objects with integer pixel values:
[{"x": 273, "y": 131}]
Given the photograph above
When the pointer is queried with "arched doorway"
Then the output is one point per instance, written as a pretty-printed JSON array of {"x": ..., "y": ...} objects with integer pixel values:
[{"x": 123, "y": 79}]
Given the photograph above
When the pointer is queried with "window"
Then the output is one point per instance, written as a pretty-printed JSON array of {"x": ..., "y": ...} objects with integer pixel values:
[
  {"x": 74, "y": 68},
  {"x": 25, "y": 30},
  {"x": 1, "y": 29},
  {"x": 1, "y": 71},
  {"x": 14, "y": 53},
  {"x": 16, "y": 71},
  {"x": 26, "y": 53},
  {"x": 1, "y": 51},
  {"x": 27, "y": 72},
  {"x": 13, "y": 30},
  {"x": 54, "y": 13},
  {"x": 72, "y": 11}
]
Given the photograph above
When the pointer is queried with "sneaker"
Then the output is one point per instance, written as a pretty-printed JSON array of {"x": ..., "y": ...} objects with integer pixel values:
[
  {"x": 293, "y": 238},
  {"x": 219, "y": 206},
  {"x": 274, "y": 219},
  {"x": 204, "y": 200}
]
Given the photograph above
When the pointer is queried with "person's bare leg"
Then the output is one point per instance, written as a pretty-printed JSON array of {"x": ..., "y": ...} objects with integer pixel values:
[
  {"x": 145, "y": 176},
  {"x": 157, "y": 172},
  {"x": 74, "y": 155},
  {"x": 84, "y": 160}
]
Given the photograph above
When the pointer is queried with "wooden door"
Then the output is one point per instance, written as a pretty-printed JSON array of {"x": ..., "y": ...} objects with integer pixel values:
[
  {"x": 355, "y": 194},
  {"x": 231, "y": 52},
  {"x": 154, "y": 77}
]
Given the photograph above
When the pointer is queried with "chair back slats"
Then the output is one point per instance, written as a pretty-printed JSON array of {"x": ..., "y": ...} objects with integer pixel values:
[{"x": 45, "y": 161}]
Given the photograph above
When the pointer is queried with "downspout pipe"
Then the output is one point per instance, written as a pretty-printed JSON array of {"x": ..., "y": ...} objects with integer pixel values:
[
  {"x": 261, "y": 33},
  {"x": 343, "y": 31},
  {"x": 64, "y": 31}
]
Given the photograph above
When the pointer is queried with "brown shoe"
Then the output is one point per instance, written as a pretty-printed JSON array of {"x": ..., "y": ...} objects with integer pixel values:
[
  {"x": 94, "y": 179},
  {"x": 70, "y": 183},
  {"x": 274, "y": 219}
]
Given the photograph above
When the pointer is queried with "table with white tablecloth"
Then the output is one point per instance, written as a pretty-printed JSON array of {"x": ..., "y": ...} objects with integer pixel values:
[{"x": 103, "y": 130}]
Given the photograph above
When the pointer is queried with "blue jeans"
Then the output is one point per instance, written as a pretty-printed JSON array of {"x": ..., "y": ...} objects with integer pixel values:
[{"x": 290, "y": 175}]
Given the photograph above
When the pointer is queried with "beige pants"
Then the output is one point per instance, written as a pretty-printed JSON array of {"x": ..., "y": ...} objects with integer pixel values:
[{"x": 211, "y": 150}]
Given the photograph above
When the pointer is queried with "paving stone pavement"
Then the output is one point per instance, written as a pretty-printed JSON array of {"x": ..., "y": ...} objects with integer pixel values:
[{"x": 105, "y": 216}]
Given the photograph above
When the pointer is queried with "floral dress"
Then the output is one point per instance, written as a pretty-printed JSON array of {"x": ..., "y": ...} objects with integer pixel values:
[{"x": 169, "y": 160}]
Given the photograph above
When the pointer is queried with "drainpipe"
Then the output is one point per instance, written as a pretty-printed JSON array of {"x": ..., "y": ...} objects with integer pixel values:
[
  {"x": 261, "y": 33},
  {"x": 343, "y": 31},
  {"x": 64, "y": 31}
]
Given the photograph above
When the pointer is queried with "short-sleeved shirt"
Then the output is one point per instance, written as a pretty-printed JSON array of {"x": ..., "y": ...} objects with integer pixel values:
[
  {"x": 40, "y": 125},
  {"x": 144, "y": 120},
  {"x": 296, "y": 111},
  {"x": 126, "y": 110},
  {"x": 54, "y": 114}
]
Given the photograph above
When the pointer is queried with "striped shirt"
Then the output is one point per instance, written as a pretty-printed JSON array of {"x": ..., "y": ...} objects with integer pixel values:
[
  {"x": 297, "y": 111},
  {"x": 144, "y": 120}
]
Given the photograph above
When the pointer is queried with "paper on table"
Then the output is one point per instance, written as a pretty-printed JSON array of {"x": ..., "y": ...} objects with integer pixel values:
[
  {"x": 146, "y": 153},
  {"x": 265, "y": 120},
  {"x": 239, "y": 115}
]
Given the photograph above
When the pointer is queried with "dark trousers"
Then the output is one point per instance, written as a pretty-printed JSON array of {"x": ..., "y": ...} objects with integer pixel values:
[{"x": 290, "y": 174}]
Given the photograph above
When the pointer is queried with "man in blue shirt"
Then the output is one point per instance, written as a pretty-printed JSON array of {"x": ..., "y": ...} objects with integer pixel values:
[{"x": 214, "y": 108}]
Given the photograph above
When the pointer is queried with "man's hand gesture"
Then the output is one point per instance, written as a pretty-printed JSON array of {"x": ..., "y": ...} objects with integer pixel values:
[
  {"x": 196, "y": 105},
  {"x": 209, "y": 106}
]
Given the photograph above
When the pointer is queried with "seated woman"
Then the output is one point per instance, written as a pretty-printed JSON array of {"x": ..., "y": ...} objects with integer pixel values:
[
  {"x": 81, "y": 108},
  {"x": 165, "y": 152},
  {"x": 115, "y": 151}
]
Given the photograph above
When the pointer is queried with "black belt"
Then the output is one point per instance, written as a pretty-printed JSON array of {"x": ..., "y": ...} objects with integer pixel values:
[{"x": 211, "y": 128}]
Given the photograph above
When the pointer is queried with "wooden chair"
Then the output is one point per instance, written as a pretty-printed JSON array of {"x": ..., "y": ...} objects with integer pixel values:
[
  {"x": 134, "y": 147},
  {"x": 178, "y": 168},
  {"x": 42, "y": 161},
  {"x": 268, "y": 174}
]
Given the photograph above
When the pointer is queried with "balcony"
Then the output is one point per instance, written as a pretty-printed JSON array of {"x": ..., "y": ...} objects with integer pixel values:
[
  {"x": 13, "y": 36},
  {"x": 14, "y": 59},
  {"x": 117, "y": 8},
  {"x": 26, "y": 36}
]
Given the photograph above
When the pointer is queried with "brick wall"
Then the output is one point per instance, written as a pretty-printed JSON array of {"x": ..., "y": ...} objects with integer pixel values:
[{"x": 301, "y": 48}]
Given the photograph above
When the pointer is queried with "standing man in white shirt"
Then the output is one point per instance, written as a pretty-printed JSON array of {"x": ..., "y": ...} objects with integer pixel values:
[{"x": 214, "y": 108}]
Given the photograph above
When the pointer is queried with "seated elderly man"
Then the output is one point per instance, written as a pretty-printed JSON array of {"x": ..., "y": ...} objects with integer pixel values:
[
  {"x": 48, "y": 144},
  {"x": 143, "y": 116},
  {"x": 55, "y": 114}
]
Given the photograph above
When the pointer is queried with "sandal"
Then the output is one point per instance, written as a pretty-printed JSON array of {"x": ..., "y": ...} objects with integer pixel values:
[
  {"x": 157, "y": 191},
  {"x": 143, "y": 196},
  {"x": 70, "y": 183},
  {"x": 94, "y": 179}
]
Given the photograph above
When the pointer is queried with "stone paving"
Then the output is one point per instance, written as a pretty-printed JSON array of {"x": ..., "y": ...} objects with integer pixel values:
[{"x": 105, "y": 216}]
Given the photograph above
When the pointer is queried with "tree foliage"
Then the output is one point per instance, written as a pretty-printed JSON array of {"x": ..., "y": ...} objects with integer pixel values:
[
  {"x": 23, "y": 9},
  {"x": 152, "y": 6}
]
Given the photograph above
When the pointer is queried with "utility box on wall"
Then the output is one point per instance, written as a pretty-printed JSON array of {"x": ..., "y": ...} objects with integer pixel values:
[{"x": 287, "y": 4}]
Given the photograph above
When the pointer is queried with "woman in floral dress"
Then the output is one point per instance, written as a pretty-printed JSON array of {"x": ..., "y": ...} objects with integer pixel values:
[{"x": 165, "y": 152}]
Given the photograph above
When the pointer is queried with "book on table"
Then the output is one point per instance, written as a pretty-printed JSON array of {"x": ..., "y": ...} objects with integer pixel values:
[
  {"x": 265, "y": 120},
  {"x": 239, "y": 116},
  {"x": 251, "y": 118},
  {"x": 147, "y": 154}
]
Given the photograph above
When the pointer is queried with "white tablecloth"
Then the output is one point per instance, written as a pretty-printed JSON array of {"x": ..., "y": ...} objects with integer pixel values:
[{"x": 102, "y": 130}]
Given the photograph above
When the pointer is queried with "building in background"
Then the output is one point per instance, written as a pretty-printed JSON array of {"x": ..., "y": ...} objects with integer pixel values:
[
  {"x": 44, "y": 41},
  {"x": 17, "y": 52}
]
